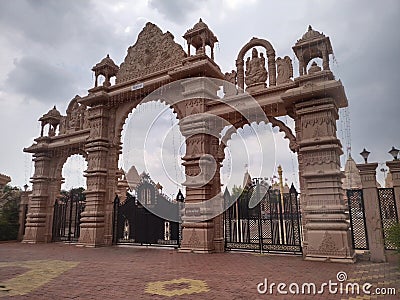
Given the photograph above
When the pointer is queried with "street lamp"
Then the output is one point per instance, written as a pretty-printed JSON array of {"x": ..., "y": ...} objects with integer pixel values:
[
  {"x": 394, "y": 152},
  {"x": 365, "y": 153},
  {"x": 180, "y": 197}
]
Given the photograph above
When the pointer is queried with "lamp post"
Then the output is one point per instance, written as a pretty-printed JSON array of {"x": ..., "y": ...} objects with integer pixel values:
[
  {"x": 394, "y": 152},
  {"x": 365, "y": 153},
  {"x": 180, "y": 199}
]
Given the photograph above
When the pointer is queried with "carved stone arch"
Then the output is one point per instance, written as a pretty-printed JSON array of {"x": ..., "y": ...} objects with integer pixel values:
[
  {"x": 293, "y": 145},
  {"x": 60, "y": 160},
  {"x": 124, "y": 110},
  {"x": 254, "y": 42}
]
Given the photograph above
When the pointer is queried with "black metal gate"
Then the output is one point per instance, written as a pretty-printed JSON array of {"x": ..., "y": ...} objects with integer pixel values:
[
  {"x": 67, "y": 215},
  {"x": 389, "y": 217},
  {"x": 262, "y": 220},
  {"x": 358, "y": 226},
  {"x": 134, "y": 224}
]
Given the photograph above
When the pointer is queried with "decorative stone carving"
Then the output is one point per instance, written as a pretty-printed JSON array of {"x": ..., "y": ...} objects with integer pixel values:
[
  {"x": 76, "y": 118},
  {"x": 314, "y": 68},
  {"x": 230, "y": 89},
  {"x": 284, "y": 69},
  {"x": 328, "y": 244},
  {"x": 194, "y": 240},
  {"x": 153, "y": 51},
  {"x": 199, "y": 37},
  {"x": 313, "y": 44},
  {"x": 255, "y": 69}
]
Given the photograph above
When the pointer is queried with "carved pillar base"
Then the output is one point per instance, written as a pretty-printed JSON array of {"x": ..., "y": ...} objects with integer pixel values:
[
  {"x": 36, "y": 233},
  {"x": 328, "y": 245},
  {"x": 197, "y": 237},
  {"x": 91, "y": 237}
]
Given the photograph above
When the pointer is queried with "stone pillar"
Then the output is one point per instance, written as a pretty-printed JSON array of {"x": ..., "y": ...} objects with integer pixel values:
[
  {"x": 394, "y": 167},
  {"x": 202, "y": 171},
  {"x": 35, "y": 229},
  {"x": 112, "y": 182},
  {"x": 92, "y": 218},
  {"x": 372, "y": 213},
  {"x": 23, "y": 210},
  {"x": 326, "y": 235},
  {"x": 272, "y": 69},
  {"x": 240, "y": 73}
]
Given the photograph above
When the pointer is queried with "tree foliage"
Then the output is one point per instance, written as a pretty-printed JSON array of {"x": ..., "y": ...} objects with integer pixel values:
[
  {"x": 9, "y": 198},
  {"x": 394, "y": 236}
]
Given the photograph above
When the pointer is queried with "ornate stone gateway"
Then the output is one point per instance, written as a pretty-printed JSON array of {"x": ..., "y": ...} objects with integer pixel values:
[{"x": 93, "y": 124}]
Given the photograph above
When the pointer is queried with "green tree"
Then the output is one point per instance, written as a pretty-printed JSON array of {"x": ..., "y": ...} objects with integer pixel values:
[
  {"x": 9, "y": 209},
  {"x": 236, "y": 191}
]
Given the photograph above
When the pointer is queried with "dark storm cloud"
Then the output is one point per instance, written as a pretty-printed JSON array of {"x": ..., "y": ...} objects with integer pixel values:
[
  {"x": 176, "y": 11},
  {"x": 43, "y": 22},
  {"x": 35, "y": 78}
]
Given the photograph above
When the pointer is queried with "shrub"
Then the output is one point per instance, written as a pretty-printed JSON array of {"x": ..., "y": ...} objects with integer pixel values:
[{"x": 394, "y": 236}]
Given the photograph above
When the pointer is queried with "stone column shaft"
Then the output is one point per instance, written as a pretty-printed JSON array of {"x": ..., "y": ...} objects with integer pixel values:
[
  {"x": 372, "y": 213},
  {"x": 326, "y": 234},
  {"x": 92, "y": 220},
  {"x": 35, "y": 230},
  {"x": 202, "y": 171},
  {"x": 394, "y": 167}
]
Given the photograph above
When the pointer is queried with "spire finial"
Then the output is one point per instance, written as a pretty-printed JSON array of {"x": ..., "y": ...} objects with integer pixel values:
[{"x": 309, "y": 28}]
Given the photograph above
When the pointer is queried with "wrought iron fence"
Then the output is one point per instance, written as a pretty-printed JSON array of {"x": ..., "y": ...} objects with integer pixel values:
[
  {"x": 358, "y": 225},
  {"x": 273, "y": 225},
  {"x": 388, "y": 210}
]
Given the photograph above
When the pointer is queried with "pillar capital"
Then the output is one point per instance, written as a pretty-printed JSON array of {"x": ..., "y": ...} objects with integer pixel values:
[
  {"x": 394, "y": 166},
  {"x": 368, "y": 174}
]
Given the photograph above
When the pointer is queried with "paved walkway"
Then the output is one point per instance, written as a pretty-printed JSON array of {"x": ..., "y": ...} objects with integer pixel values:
[{"x": 58, "y": 271}]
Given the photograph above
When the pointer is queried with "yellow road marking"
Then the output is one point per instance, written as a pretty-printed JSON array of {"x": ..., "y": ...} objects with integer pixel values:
[{"x": 40, "y": 272}]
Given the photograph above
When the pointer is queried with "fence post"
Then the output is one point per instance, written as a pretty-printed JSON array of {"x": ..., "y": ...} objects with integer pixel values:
[
  {"x": 372, "y": 213},
  {"x": 394, "y": 167}
]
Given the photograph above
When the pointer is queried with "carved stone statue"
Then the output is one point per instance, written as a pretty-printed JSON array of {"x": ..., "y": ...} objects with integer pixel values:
[
  {"x": 314, "y": 68},
  {"x": 284, "y": 69},
  {"x": 255, "y": 69},
  {"x": 230, "y": 89},
  {"x": 76, "y": 118}
]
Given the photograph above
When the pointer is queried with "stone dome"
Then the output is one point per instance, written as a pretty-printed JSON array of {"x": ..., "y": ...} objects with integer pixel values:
[
  {"x": 54, "y": 112},
  {"x": 312, "y": 34},
  {"x": 200, "y": 25}
]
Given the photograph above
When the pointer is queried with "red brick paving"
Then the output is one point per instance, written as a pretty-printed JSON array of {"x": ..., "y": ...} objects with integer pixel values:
[{"x": 124, "y": 272}]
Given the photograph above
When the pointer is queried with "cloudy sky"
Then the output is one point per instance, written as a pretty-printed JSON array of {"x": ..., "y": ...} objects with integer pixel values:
[{"x": 49, "y": 47}]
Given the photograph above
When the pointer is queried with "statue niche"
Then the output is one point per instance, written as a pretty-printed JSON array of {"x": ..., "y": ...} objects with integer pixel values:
[
  {"x": 230, "y": 83},
  {"x": 284, "y": 69},
  {"x": 256, "y": 73},
  {"x": 76, "y": 118}
]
